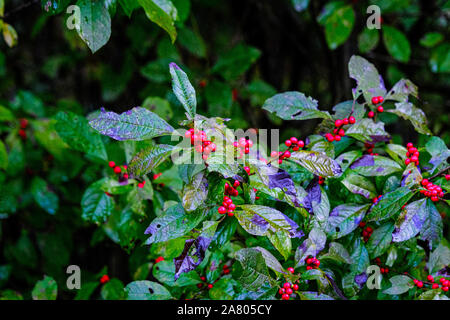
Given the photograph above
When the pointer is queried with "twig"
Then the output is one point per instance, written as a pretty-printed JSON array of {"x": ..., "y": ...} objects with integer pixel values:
[{"x": 439, "y": 173}]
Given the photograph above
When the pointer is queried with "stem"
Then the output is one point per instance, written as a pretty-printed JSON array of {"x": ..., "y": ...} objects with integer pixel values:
[{"x": 439, "y": 173}]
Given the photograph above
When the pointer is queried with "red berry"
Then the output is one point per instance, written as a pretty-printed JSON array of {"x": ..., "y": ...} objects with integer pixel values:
[
  {"x": 288, "y": 143},
  {"x": 291, "y": 270},
  {"x": 203, "y": 278},
  {"x": 222, "y": 210},
  {"x": 407, "y": 161},
  {"x": 342, "y": 132},
  {"x": 226, "y": 271},
  {"x": 23, "y": 123},
  {"x": 112, "y": 164},
  {"x": 210, "y": 286},
  {"x": 337, "y": 138},
  {"x": 447, "y": 177},
  {"x": 117, "y": 170},
  {"x": 330, "y": 138},
  {"x": 199, "y": 285},
  {"x": 419, "y": 284},
  {"x": 289, "y": 291},
  {"x": 352, "y": 120},
  {"x": 281, "y": 291},
  {"x": 301, "y": 144},
  {"x": 435, "y": 286},
  {"x": 247, "y": 169},
  {"x": 380, "y": 109},
  {"x": 125, "y": 175},
  {"x": 159, "y": 259},
  {"x": 294, "y": 140},
  {"x": 274, "y": 154},
  {"x": 409, "y": 145},
  {"x": 425, "y": 182},
  {"x": 295, "y": 287},
  {"x": 380, "y": 99},
  {"x": 104, "y": 279},
  {"x": 445, "y": 289},
  {"x": 338, "y": 123},
  {"x": 285, "y": 297},
  {"x": 434, "y": 199},
  {"x": 230, "y": 214},
  {"x": 286, "y": 285},
  {"x": 345, "y": 121},
  {"x": 375, "y": 100},
  {"x": 371, "y": 114},
  {"x": 430, "y": 278},
  {"x": 287, "y": 154},
  {"x": 232, "y": 207}
]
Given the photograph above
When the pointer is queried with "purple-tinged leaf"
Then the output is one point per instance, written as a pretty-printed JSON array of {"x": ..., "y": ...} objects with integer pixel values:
[
  {"x": 310, "y": 247},
  {"x": 281, "y": 179},
  {"x": 344, "y": 219},
  {"x": 135, "y": 124},
  {"x": 432, "y": 230},
  {"x": 371, "y": 166},
  {"x": 411, "y": 221}
]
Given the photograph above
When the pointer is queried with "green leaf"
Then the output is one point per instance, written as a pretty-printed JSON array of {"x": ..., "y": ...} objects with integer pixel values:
[
  {"x": 367, "y": 79},
  {"x": 95, "y": 204},
  {"x": 282, "y": 242},
  {"x": 3, "y": 156},
  {"x": 263, "y": 221},
  {"x": 396, "y": 43},
  {"x": 380, "y": 240},
  {"x": 366, "y": 130},
  {"x": 400, "y": 284},
  {"x": 163, "y": 13},
  {"x": 360, "y": 185},
  {"x": 432, "y": 230},
  {"x": 359, "y": 256},
  {"x": 135, "y": 124},
  {"x": 338, "y": 253},
  {"x": 368, "y": 40},
  {"x": 95, "y": 24},
  {"x": 310, "y": 247},
  {"x": 317, "y": 163},
  {"x": 344, "y": 219},
  {"x": 6, "y": 114},
  {"x": 183, "y": 90},
  {"x": 9, "y": 34},
  {"x": 43, "y": 196},
  {"x": 440, "y": 58},
  {"x": 408, "y": 111},
  {"x": 439, "y": 153},
  {"x": 439, "y": 259},
  {"x": 431, "y": 39},
  {"x": 148, "y": 159},
  {"x": 159, "y": 106},
  {"x": 293, "y": 105},
  {"x": 223, "y": 290},
  {"x": 75, "y": 131},
  {"x": 401, "y": 91},
  {"x": 411, "y": 221},
  {"x": 195, "y": 192},
  {"x": 193, "y": 42},
  {"x": 113, "y": 290},
  {"x": 252, "y": 273},
  {"x": 372, "y": 166},
  {"x": 338, "y": 24},
  {"x": 390, "y": 204},
  {"x": 271, "y": 261},
  {"x": 45, "y": 289},
  {"x": 174, "y": 223},
  {"x": 146, "y": 290},
  {"x": 235, "y": 62},
  {"x": 129, "y": 6},
  {"x": 45, "y": 134}
]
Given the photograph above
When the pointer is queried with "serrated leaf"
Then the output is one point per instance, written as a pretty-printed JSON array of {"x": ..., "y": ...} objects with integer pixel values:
[
  {"x": 380, "y": 240},
  {"x": 95, "y": 204},
  {"x": 294, "y": 105},
  {"x": 146, "y": 290},
  {"x": 399, "y": 284},
  {"x": 371, "y": 166},
  {"x": 368, "y": 80},
  {"x": 183, "y": 90},
  {"x": 411, "y": 221},
  {"x": 317, "y": 163},
  {"x": 174, "y": 223},
  {"x": 94, "y": 26},
  {"x": 344, "y": 219},
  {"x": 75, "y": 131},
  {"x": 390, "y": 204},
  {"x": 254, "y": 273},
  {"x": 135, "y": 124},
  {"x": 416, "y": 116},
  {"x": 163, "y": 13}
]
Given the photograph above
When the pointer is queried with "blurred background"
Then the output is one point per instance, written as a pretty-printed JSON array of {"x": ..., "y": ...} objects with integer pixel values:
[{"x": 237, "y": 54}]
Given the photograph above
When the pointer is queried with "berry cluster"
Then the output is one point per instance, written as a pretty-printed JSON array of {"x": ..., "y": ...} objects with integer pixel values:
[
  {"x": 431, "y": 190},
  {"x": 200, "y": 285},
  {"x": 23, "y": 126},
  {"x": 227, "y": 205},
  {"x": 376, "y": 101},
  {"x": 104, "y": 279},
  {"x": 292, "y": 143},
  {"x": 243, "y": 145},
  {"x": 287, "y": 290},
  {"x": 200, "y": 142},
  {"x": 367, "y": 232},
  {"x": 369, "y": 148},
  {"x": 339, "y": 131},
  {"x": 412, "y": 155},
  {"x": 118, "y": 169},
  {"x": 159, "y": 259},
  {"x": 226, "y": 269},
  {"x": 312, "y": 263},
  {"x": 383, "y": 270}
]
